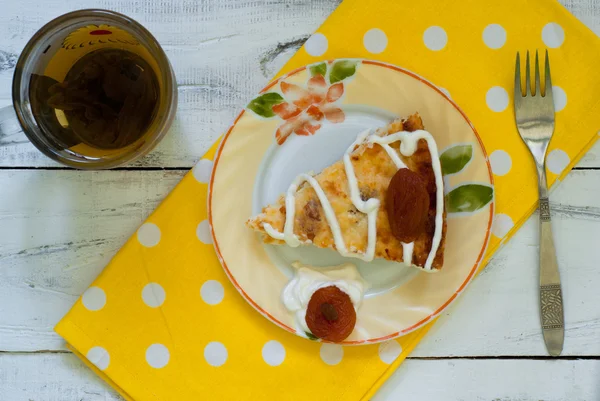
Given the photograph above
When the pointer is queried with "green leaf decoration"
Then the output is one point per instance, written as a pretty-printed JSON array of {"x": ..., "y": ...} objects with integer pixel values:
[
  {"x": 456, "y": 158},
  {"x": 262, "y": 105},
  {"x": 468, "y": 198},
  {"x": 311, "y": 336},
  {"x": 342, "y": 70},
  {"x": 318, "y": 69}
]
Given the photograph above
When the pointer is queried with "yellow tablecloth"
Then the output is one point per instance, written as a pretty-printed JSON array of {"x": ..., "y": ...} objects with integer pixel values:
[{"x": 162, "y": 322}]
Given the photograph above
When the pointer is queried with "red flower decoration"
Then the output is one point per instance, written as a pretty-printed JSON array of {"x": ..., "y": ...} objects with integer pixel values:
[
  {"x": 305, "y": 108},
  {"x": 100, "y": 32}
]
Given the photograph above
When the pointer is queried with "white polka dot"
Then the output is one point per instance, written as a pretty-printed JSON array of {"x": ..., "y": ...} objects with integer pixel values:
[
  {"x": 501, "y": 162},
  {"x": 273, "y": 353},
  {"x": 560, "y": 98},
  {"x": 316, "y": 45},
  {"x": 94, "y": 298},
  {"x": 153, "y": 295},
  {"x": 157, "y": 356},
  {"x": 215, "y": 354},
  {"x": 389, "y": 351},
  {"x": 557, "y": 161},
  {"x": 553, "y": 35},
  {"x": 502, "y": 225},
  {"x": 99, "y": 357},
  {"x": 494, "y": 36},
  {"x": 212, "y": 292},
  {"x": 203, "y": 232},
  {"x": 202, "y": 171},
  {"x": 331, "y": 354},
  {"x": 148, "y": 234},
  {"x": 435, "y": 38},
  {"x": 497, "y": 99},
  {"x": 375, "y": 40},
  {"x": 445, "y": 91}
]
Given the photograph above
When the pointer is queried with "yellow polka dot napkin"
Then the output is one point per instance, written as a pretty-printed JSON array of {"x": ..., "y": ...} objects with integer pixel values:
[{"x": 162, "y": 322}]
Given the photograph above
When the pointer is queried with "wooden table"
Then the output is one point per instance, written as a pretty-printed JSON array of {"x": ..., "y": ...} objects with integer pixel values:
[{"x": 59, "y": 227}]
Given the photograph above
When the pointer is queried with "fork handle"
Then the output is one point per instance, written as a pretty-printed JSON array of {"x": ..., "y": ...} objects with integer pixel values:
[{"x": 551, "y": 304}]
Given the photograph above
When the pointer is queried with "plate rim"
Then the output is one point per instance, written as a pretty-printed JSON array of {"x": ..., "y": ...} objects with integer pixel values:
[{"x": 445, "y": 305}]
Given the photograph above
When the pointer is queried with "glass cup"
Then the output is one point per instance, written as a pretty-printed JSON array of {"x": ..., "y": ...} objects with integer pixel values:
[{"x": 105, "y": 126}]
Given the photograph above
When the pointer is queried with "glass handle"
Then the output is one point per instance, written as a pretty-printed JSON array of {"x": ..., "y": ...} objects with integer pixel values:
[{"x": 11, "y": 132}]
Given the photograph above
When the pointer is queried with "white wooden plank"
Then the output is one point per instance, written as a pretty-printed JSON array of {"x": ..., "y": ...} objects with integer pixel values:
[
  {"x": 497, "y": 380},
  {"x": 59, "y": 229},
  {"x": 587, "y": 11},
  {"x": 498, "y": 314},
  {"x": 222, "y": 52},
  {"x": 50, "y": 377},
  {"x": 62, "y": 377}
]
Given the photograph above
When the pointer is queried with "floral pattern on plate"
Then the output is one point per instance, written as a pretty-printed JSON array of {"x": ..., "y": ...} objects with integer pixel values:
[
  {"x": 304, "y": 108},
  {"x": 468, "y": 197}
]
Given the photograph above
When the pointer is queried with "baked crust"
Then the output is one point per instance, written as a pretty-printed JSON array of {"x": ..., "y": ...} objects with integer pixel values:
[{"x": 374, "y": 169}]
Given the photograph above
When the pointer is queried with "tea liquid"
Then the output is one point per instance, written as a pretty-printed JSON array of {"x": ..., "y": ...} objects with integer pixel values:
[{"x": 107, "y": 100}]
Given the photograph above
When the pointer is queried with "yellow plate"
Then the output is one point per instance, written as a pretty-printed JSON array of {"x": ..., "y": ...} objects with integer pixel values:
[{"x": 304, "y": 121}]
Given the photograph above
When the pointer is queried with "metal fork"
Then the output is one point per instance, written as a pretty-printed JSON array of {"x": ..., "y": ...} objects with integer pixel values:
[{"x": 534, "y": 114}]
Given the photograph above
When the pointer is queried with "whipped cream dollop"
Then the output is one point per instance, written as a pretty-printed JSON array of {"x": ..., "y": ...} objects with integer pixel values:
[{"x": 308, "y": 279}]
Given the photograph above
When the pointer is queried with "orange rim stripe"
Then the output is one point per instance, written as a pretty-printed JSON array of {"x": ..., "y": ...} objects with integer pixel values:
[{"x": 421, "y": 322}]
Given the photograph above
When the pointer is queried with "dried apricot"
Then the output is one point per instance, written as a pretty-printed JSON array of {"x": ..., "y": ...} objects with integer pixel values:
[
  {"x": 330, "y": 314},
  {"x": 407, "y": 205}
]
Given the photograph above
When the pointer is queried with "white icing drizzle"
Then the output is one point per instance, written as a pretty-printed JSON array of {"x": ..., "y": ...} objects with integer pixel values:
[
  {"x": 370, "y": 207},
  {"x": 407, "y": 249},
  {"x": 408, "y": 145},
  {"x": 407, "y": 252}
]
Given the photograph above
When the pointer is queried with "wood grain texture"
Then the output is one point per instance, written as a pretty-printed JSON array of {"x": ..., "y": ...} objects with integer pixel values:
[
  {"x": 62, "y": 377},
  {"x": 60, "y": 228},
  {"x": 50, "y": 377},
  {"x": 222, "y": 52},
  {"x": 493, "y": 380}
]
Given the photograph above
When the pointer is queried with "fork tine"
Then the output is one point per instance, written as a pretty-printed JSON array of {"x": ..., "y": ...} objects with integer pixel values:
[
  {"x": 538, "y": 88},
  {"x": 527, "y": 76},
  {"x": 518, "y": 90},
  {"x": 548, "y": 83}
]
